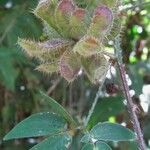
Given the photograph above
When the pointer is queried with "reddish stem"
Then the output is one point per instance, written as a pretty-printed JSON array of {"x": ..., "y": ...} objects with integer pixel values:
[{"x": 131, "y": 108}]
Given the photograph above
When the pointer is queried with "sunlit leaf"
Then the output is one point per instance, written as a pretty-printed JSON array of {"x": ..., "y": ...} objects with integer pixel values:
[{"x": 109, "y": 132}]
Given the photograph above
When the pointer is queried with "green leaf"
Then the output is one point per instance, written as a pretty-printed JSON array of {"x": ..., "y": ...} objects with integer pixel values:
[
  {"x": 18, "y": 22},
  {"x": 97, "y": 146},
  {"x": 59, "y": 109},
  {"x": 109, "y": 132},
  {"x": 39, "y": 124},
  {"x": 57, "y": 142},
  {"x": 8, "y": 71}
]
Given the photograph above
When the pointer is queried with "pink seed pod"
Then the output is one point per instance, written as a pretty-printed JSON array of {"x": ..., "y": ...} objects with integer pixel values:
[
  {"x": 69, "y": 66},
  {"x": 101, "y": 22},
  {"x": 105, "y": 12},
  {"x": 66, "y": 6},
  {"x": 79, "y": 14},
  {"x": 77, "y": 23},
  {"x": 62, "y": 16}
]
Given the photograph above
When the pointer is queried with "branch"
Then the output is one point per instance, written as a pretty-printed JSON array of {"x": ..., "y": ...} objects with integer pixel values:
[{"x": 130, "y": 105}]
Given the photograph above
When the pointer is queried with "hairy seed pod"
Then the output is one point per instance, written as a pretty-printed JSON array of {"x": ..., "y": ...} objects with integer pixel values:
[
  {"x": 48, "y": 68},
  {"x": 74, "y": 38},
  {"x": 95, "y": 67},
  {"x": 47, "y": 51},
  {"x": 77, "y": 23},
  {"x": 69, "y": 66},
  {"x": 101, "y": 22},
  {"x": 62, "y": 15},
  {"x": 45, "y": 11},
  {"x": 87, "y": 46},
  {"x": 109, "y": 3}
]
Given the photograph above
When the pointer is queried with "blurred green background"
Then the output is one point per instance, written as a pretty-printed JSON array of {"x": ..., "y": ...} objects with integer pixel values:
[{"x": 20, "y": 83}]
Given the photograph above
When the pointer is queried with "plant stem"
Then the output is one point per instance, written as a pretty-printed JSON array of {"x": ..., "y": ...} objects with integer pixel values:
[
  {"x": 95, "y": 102},
  {"x": 131, "y": 108},
  {"x": 130, "y": 105}
]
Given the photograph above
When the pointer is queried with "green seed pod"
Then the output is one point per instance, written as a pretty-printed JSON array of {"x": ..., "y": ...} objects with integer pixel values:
[
  {"x": 95, "y": 67},
  {"x": 77, "y": 23},
  {"x": 45, "y": 11},
  {"x": 72, "y": 39},
  {"x": 30, "y": 47},
  {"x": 62, "y": 15},
  {"x": 48, "y": 51},
  {"x": 109, "y": 3},
  {"x": 101, "y": 22},
  {"x": 48, "y": 68},
  {"x": 87, "y": 46}
]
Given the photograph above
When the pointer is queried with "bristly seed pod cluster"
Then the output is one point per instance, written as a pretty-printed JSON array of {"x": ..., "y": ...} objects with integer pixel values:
[{"x": 75, "y": 38}]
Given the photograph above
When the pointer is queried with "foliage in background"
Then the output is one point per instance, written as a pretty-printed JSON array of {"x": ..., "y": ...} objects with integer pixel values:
[{"x": 19, "y": 83}]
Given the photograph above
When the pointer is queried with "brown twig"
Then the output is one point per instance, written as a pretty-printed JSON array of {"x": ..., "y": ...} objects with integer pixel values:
[
  {"x": 131, "y": 108},
  {"x": 130, "y": 105}
]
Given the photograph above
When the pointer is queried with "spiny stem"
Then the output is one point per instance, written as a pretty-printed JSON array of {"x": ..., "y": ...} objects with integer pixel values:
[
  {"x": 130, "y": 105},
  {"x": 131, "y": 108}
]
